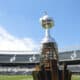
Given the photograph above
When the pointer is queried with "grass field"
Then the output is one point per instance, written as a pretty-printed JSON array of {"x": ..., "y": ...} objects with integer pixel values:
[
  {"x": 29, "y": 77},
  {"x": 75, "y": 77},
  {"x": 15, "y": 77}
]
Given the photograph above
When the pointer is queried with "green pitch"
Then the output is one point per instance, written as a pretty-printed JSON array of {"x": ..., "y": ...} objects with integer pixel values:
[
  {"x": 15, "y": 77},
  {"x": 75, "y": 77},
  {"x": 27, "y": 77}
]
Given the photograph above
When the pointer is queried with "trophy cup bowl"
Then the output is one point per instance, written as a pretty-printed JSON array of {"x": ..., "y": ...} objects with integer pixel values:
[{"x": 46, "y": 22}]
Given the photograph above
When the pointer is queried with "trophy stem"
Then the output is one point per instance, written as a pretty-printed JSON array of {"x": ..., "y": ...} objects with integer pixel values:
[{"x": 47, "y": 32}]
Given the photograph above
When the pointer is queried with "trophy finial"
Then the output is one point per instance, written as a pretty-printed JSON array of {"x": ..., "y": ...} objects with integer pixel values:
[{"x": 45, "y": 12}]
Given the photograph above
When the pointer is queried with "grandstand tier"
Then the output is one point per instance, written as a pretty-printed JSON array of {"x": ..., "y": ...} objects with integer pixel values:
[
  {"x": 16, "y": 63},
  {"x": 8, "y": 57}
]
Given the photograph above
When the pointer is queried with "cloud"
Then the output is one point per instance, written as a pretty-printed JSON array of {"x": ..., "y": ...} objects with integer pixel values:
[{"x": 11, "y": 43}]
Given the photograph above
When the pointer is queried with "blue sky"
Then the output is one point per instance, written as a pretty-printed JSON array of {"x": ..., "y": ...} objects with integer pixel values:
[{"x": 20, "y": 19}]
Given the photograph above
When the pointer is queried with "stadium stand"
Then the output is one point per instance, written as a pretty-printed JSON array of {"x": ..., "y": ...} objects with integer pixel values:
[{"x": 11, "y": 63}]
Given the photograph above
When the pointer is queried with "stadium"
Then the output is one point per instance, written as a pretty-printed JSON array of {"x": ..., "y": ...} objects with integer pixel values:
[
  {"x": 23, "y": 62},
  {"x": 46, "y": 64}
]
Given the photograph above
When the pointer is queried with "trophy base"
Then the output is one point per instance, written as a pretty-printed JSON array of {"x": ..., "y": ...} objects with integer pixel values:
[{"x": 47, "y": 75}]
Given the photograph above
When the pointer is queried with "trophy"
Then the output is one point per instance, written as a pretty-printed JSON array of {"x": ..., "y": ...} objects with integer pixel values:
[{"x": 48, "y": 68}]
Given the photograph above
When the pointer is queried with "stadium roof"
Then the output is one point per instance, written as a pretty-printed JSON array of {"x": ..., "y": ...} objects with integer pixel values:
[
  {"x": 69, "y": 48},
  {"x": 18, "y": 52}
]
